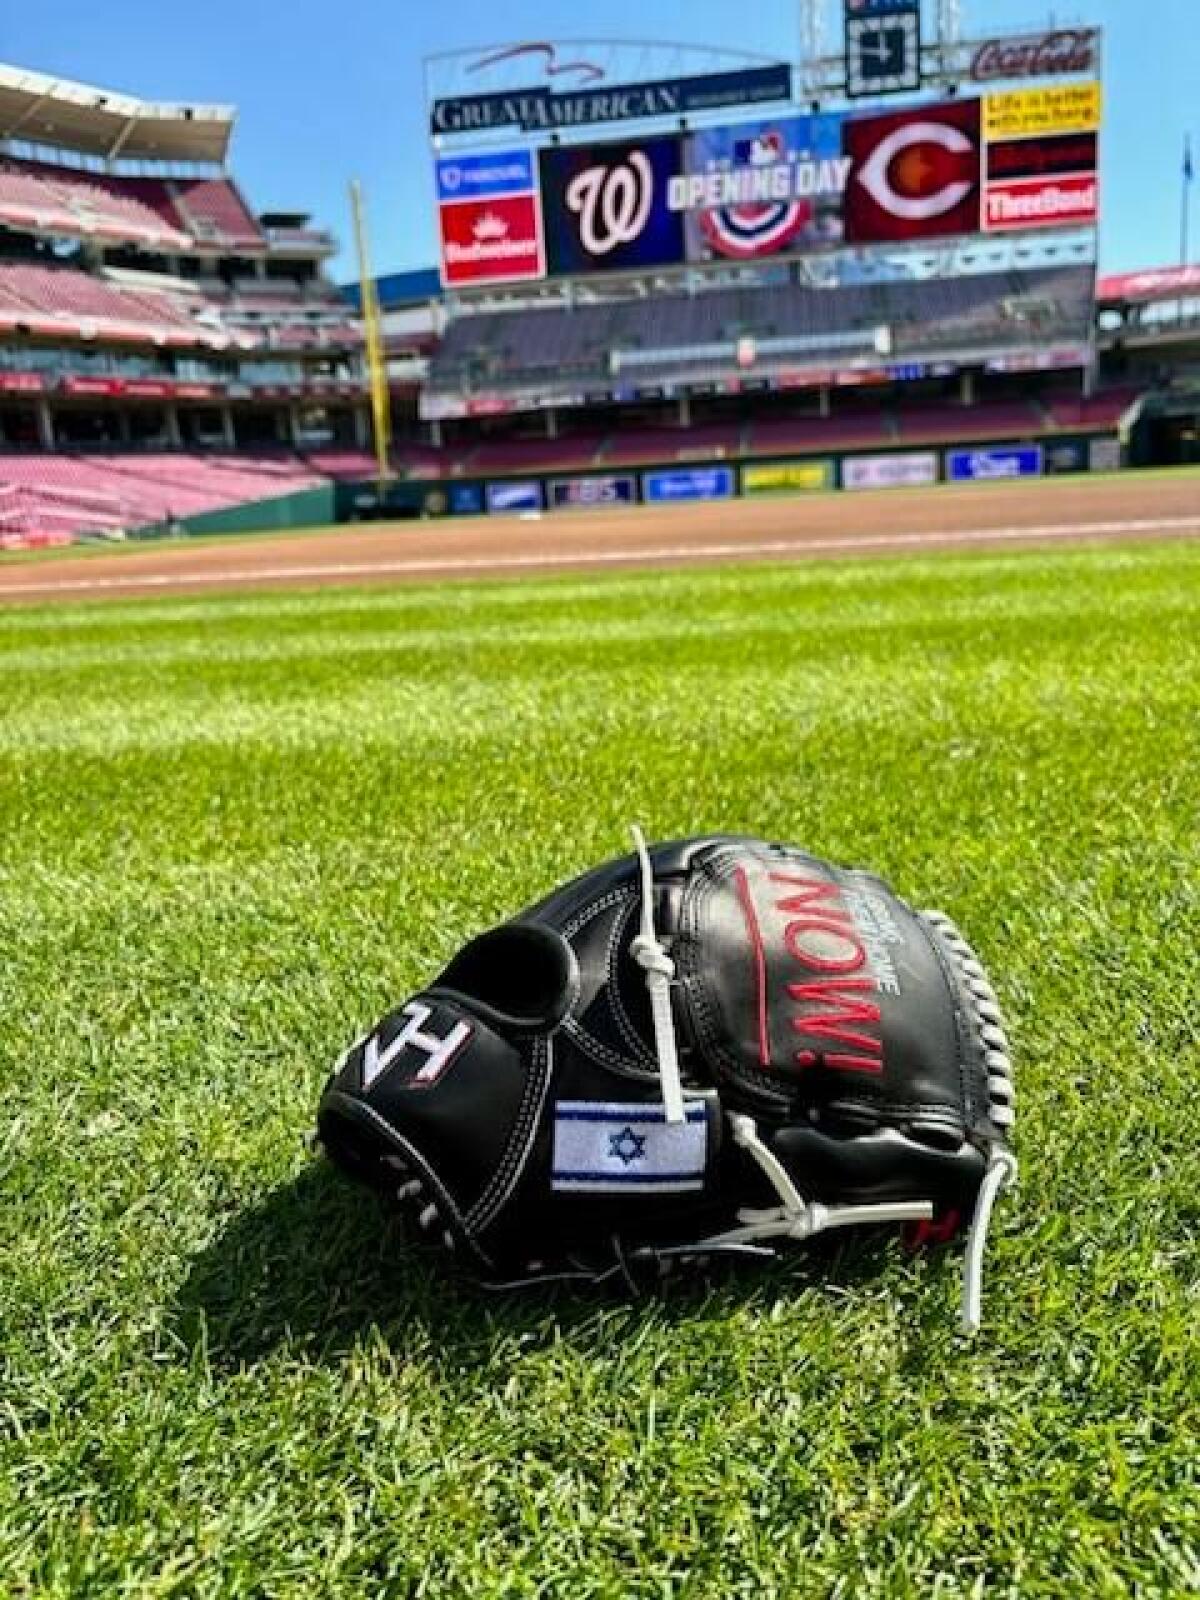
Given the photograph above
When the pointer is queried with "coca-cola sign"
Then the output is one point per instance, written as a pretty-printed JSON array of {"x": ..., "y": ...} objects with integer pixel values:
[{"x": 1036, "y": 55}]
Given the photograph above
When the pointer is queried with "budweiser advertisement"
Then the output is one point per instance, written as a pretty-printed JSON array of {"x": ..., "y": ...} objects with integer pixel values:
[
  {"x": 494, "y": 240},
  {"x": 1036, "y": 55},
  {"x": 914, "y": 174}
]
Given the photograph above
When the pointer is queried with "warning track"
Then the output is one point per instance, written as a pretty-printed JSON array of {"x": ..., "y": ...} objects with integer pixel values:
[{"x": 870, "y": 524}]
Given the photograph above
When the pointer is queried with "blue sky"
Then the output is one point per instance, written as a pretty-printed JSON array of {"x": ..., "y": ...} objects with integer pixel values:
[{"x": 328, "y": 91}]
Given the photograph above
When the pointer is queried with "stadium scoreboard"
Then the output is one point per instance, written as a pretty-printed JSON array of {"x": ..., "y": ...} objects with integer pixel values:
[{"x": 1004, "y": 139}]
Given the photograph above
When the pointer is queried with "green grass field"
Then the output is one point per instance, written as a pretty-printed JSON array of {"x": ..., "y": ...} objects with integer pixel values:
[{"x": 234, "y": 830}]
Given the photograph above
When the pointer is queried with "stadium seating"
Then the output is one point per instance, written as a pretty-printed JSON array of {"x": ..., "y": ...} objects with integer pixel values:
[
  {"x": 165, "y": 213},
  {"x": 716, "y": 441},
  {"x": 812, "y": 435},
  {"x": 215, "y": 212},
  {"x": 725, "y": 331},
  {"x": 933, "y": 424},
  {"x": 44, "y": 296},
  {"x": 78, "y": 494},
  {"x": 1103, "y": 410},
  {"x": 90, "y": 203},
  {"x": 342, "y": 463}
]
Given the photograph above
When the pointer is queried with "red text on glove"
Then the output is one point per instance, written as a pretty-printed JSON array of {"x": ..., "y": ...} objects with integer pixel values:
[{"x": 821, "y": 938}]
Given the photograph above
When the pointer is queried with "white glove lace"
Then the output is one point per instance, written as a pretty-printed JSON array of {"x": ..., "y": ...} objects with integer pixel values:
[{"x": 647, "y": 950}]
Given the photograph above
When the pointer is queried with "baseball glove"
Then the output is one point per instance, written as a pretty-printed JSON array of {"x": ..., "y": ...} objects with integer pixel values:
[{"x": 706, "y": 1048}]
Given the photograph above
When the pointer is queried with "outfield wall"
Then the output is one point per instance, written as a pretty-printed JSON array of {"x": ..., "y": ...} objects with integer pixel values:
[
  {"x": 677, "y": 482},
  {"x": 304, "y": 508}
]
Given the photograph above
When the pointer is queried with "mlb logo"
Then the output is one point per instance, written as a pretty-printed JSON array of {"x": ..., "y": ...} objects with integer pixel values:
[{"x": 762, "y": 151}]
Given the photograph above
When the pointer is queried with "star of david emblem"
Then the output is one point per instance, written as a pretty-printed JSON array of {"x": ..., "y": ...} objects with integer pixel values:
[{"x": 627, "y": 1146}]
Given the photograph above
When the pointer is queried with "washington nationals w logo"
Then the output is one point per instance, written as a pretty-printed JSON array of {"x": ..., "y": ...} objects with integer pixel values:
[{"x": 612, "y": 203}]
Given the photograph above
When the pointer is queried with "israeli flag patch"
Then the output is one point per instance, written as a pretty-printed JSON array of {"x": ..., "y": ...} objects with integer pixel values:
[{"x": 603, "y": 1147}]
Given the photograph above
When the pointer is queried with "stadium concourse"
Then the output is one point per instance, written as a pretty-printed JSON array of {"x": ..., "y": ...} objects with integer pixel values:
[{"x": 1079, "y": 510}]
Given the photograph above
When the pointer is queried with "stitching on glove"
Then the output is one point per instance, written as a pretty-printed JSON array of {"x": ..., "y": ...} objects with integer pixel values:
[
  {"x": 706, "y": 1023},
  {"x": 516, "y": 1156},
  {"x": 600, "y": 1053},
  {"x": 625, "y": 898},
  {"x": 620, "y": 1016}
]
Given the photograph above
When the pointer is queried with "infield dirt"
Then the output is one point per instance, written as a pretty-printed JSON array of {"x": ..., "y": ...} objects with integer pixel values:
[{"x": 877, "y": 523}]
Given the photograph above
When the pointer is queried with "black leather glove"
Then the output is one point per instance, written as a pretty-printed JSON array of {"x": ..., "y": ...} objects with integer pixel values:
[{"x": 712, "y": 1047}]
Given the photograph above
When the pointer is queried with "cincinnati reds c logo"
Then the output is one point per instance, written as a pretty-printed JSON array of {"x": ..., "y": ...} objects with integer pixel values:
[
  {"x": 922, "y": 201},
  {"x": 612, "y": 203}
]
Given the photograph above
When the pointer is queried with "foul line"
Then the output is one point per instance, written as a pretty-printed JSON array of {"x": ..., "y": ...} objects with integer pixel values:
[{"x": 572, "y": 560}]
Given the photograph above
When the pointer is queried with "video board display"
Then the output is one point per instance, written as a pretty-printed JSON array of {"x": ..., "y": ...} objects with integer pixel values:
[
  {"x": 605, "y": 206},
  {"x": 762, "y": 188},
  {"x": 786, "y": 185}
]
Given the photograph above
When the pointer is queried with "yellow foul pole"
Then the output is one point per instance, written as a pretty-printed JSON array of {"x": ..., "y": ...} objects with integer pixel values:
[{"x": 381, "y": 404}]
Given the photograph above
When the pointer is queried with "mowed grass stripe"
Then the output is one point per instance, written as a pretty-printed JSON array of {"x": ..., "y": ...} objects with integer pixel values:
[{"x": 235, "y": 830}]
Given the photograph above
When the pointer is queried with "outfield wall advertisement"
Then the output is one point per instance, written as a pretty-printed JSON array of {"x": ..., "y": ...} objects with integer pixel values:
[
  {"x": 688, "y": 483},
  {"x": 1011, "y": 461},
  {"x": 787, "y": 477},
  {"x": 904, "y": 470},
  {"x": 794, "y": 183},
  {"x": 592, "y": 492},
  {"x": 515, "y": 494}
]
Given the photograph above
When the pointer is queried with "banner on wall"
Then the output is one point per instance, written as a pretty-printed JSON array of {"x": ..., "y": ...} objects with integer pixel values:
[
  {"x": 541, "y": 110},
  {"x": 1104, "y": 455},
  {"x": 787, "y": 477},
  {"x": 483, "y": 177},
  {"x": 465, "y": 499},
  {"x": 908, "y": 469},
  {"x": 914, "y": 174},
  {"x": 688, "y": 483},
  {"x": 1041, "y": 183},
  {"x": 604, "y": 207},
  {"x": 1066, "y": 455},
  {"x": 1042, "y": 203},
  {"x": 21, "y": 383},
  {"x": 762, "y": 188},
  {"x": 1037, "y": 55},
  {"x": 1024, "y": 113},
  {"x": 1013, "y": 461},
  {"x": 498, "y": 240},
  {"x": 514, "y": 494},
  {"x": 590, "y": 493}
]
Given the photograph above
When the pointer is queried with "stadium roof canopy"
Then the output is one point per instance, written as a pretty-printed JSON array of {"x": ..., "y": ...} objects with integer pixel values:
[
  {"x": 43, "y": 110},
  {"x": 1157, "y": 283}
]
